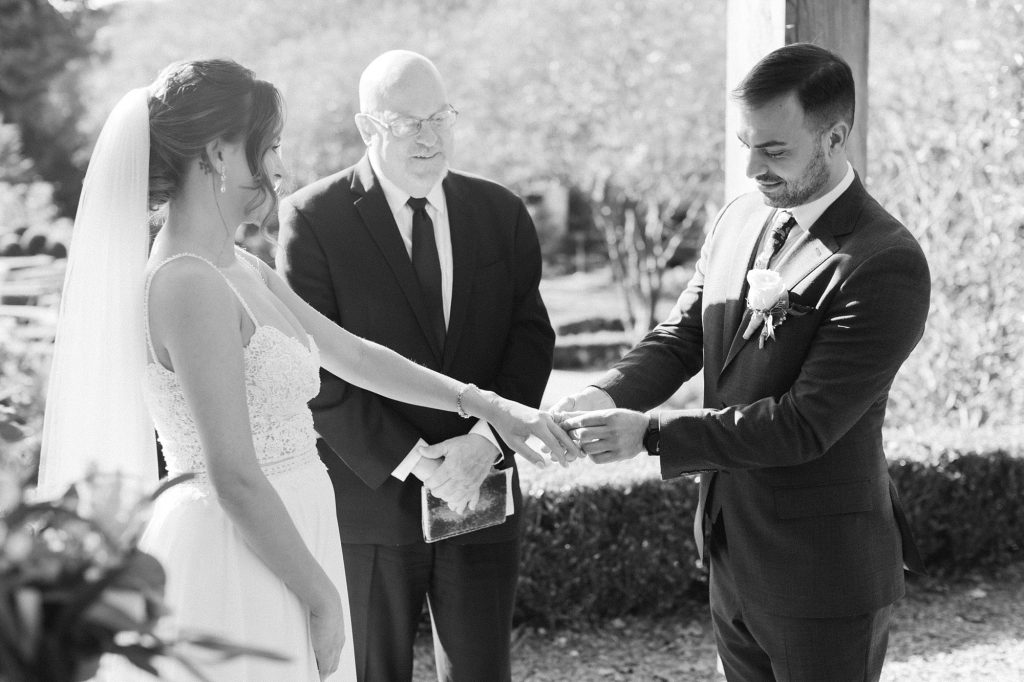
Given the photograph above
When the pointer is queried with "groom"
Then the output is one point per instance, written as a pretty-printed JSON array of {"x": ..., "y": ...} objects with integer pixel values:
[
  {"x": 797, "y": 514},
  {"x": 443, "y": 268}
]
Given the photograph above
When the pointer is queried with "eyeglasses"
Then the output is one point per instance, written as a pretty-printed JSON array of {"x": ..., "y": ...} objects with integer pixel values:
[{"x": 408, "y": 126}]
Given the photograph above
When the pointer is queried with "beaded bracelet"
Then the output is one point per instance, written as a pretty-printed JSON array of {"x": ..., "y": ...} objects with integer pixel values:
[{"x": 458, "y": 401}]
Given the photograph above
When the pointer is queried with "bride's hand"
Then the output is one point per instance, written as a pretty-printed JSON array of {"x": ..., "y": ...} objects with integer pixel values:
[
  {"x": 516, "y": 423},
  {"x": 327, "y": 632}
]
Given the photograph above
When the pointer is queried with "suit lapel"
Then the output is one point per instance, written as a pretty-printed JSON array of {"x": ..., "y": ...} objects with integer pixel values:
[
  {"x": 737, "y": 315},
  {"x": 378, "y": 220},
  {"x": 815, "y": 246},
  {"x": 464, "y": 236}
]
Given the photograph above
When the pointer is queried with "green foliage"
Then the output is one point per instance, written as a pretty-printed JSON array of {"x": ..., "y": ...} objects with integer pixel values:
[
  {"x": 43, "y": 52},
  {"x": 966, "y": 509},
  {"x": 74, "y": 584},
  {"x": 946, "y": 134},
  {"x": 615, "y": 103},
  {"x": 592, "y": 553},
  {"x": 23, "y": 375},
  {"x": 576, "y": 94},
  {"x": 25, "y": 202},
  {"x": 37, "y": 42},
  {"x": 13, "y": 166}
]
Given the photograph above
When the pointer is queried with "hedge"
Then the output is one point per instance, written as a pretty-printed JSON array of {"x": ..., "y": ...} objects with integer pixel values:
[{"x": 593, "y": 553}]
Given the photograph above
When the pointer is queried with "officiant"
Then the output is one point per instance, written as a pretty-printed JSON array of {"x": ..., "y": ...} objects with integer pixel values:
[{"x": 443, "y": 267}]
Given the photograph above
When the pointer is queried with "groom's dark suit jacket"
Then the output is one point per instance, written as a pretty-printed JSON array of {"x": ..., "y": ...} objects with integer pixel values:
[
  {"x": 341, "y": 250},
  {"x": 793, "y": 429}
]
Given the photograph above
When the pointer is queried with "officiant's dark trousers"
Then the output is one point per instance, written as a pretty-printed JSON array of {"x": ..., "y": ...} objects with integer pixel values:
[
  {"x": 756, "y": 646},
  {"x": 470, "y": 592}
]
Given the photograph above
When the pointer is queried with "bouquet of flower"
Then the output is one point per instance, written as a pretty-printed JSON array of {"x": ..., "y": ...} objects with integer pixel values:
[{"x": 74, "y": 584}]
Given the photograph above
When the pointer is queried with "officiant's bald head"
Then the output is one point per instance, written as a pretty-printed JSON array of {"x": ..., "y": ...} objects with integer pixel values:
[
  {"x": 394, "y": 78},
  {"x": 406, "y": 121}
]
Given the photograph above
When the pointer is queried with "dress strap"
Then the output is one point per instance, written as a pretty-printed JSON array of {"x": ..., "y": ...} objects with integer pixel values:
[
  {"x": 165, "y": 261},
  {"x": 245, "y": 257}
]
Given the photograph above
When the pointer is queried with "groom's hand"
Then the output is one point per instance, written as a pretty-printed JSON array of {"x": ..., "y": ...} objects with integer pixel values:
[
  {"x": 466, "y": 462},
  {"x": 607, "y": 435},
  {"x": 590, "y": 398}
]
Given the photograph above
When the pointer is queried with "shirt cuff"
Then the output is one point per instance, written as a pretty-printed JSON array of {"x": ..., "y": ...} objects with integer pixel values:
[
  {"x": 406, "y": 466},
  {"x": 607, "y": 396},
  {"x": 482, "y": 428}
]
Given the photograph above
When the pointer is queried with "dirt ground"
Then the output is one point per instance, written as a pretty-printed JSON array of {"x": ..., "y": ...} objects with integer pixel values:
[{"x": 969, "y": 630}]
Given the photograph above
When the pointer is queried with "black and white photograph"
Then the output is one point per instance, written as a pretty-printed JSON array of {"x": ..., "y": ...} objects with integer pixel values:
[{"x": 511, "y": 340}]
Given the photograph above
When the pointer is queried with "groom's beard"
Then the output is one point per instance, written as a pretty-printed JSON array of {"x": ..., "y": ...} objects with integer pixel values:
[{"x": 801, "y": 190}]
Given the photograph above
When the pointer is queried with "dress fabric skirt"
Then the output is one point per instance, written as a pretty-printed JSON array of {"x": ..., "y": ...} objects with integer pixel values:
[{"x": 229, "y": 592}]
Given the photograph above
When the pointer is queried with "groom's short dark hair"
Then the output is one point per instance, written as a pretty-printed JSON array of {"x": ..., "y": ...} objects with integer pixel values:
[{"x": 821, "y": 80}]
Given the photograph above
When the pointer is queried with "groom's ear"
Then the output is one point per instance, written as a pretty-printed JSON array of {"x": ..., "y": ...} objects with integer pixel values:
[{"x": 837, "y": 136}]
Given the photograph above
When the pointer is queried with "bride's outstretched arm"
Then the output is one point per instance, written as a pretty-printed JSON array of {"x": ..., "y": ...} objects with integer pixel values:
[
  {"x": 195, "y": 322},
  {"x": 381, "y": 370}
]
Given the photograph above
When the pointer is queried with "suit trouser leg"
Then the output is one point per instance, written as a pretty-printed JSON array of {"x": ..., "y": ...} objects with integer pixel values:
[
  {"x": 472, "y": 596},
  {"x": 387, "y": 585},
  {"x": 755, "y": 645}
]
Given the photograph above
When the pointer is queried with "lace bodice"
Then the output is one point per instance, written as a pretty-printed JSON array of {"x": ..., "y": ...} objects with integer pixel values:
[{"x": 281, "y": 377}]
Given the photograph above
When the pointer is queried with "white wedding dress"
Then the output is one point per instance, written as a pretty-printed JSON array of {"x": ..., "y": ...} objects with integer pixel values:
[{"x": 215, "y": 583}]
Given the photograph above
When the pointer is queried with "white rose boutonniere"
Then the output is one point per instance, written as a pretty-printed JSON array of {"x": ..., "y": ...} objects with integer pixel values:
[{"x": 768, "y": 300}]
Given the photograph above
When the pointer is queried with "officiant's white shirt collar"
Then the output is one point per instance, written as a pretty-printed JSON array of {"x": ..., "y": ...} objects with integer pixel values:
[
  {"x": 397, "y": 197},
  {"x": 807, "y": 214}
]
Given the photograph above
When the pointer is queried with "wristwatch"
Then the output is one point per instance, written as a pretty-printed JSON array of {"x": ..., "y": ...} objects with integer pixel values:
[{"x": 652, "y": 436}]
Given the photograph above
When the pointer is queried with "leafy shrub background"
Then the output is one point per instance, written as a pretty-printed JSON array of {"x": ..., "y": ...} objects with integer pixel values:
[
  {"x": 946, "y": 146},
  {"x": 23, "y": 375},
  {"x": 592, "y": 553}
]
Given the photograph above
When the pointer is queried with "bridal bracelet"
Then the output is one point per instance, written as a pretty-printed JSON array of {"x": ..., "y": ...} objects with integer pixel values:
[{"x": 458, "y": 401}]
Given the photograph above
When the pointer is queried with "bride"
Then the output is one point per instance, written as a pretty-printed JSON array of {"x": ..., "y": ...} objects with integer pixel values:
[{"x": 210, "y": 345}]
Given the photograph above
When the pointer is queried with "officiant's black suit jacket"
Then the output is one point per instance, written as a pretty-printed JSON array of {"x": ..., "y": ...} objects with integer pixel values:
[
  {"x": 793, "y": 429},
  {"x": 341, "y": 250}
]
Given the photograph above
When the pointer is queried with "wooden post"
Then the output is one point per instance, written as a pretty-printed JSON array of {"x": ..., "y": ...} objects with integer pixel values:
[
  {"x": 753, "y": 29},
  {"x": 756, "y": 27}
]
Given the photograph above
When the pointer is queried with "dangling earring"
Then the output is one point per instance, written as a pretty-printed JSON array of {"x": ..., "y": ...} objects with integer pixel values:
[{"x": 223, "y": 180}]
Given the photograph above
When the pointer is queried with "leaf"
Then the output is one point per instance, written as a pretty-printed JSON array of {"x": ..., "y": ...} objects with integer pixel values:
[
  {"x": 29, "y": 603},
  {"x": 140, "y": 655},
  {"x": 9, "y": 625},
  {"x": 190, "y": 666},
  {"x": 142, "y": 572},
  {"x": 12, "y": 662},
  {"x": 229, "y": 650},
  {"x": 112, "y": 618},
  {"x": 10, "y": 432}
]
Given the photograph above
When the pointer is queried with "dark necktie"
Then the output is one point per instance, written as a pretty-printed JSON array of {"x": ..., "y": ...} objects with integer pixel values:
[
  {"x": 428, "y": 267},
  {"x": 783, "y": 223}
]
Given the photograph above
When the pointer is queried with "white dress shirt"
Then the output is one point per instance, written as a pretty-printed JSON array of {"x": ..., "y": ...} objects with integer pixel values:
[
  {"x": 807, "y": 214},
  {"x": 437, "y": 209}
]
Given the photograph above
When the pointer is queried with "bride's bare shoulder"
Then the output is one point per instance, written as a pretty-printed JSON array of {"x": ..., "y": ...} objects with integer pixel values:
[{"x": 189, "y": 289}]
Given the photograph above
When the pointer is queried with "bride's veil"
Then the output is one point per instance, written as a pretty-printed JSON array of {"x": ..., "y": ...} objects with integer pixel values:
[{"x": 95, "y": 415}]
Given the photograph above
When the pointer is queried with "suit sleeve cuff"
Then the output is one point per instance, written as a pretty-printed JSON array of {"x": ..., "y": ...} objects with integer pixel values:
[
  {"x": 482, "y": 428},
  {"x": 406, "y": 466},
  {"x": 610, "y": 404}
]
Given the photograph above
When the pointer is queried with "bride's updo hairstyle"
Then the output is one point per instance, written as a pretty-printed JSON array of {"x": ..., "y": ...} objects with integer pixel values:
[{"x": 192, "y": 103}]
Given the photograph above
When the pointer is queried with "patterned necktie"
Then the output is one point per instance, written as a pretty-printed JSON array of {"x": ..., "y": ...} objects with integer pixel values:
[
  {"x": 428, "y": 267},
  {"x": 783, "y": 223}
]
